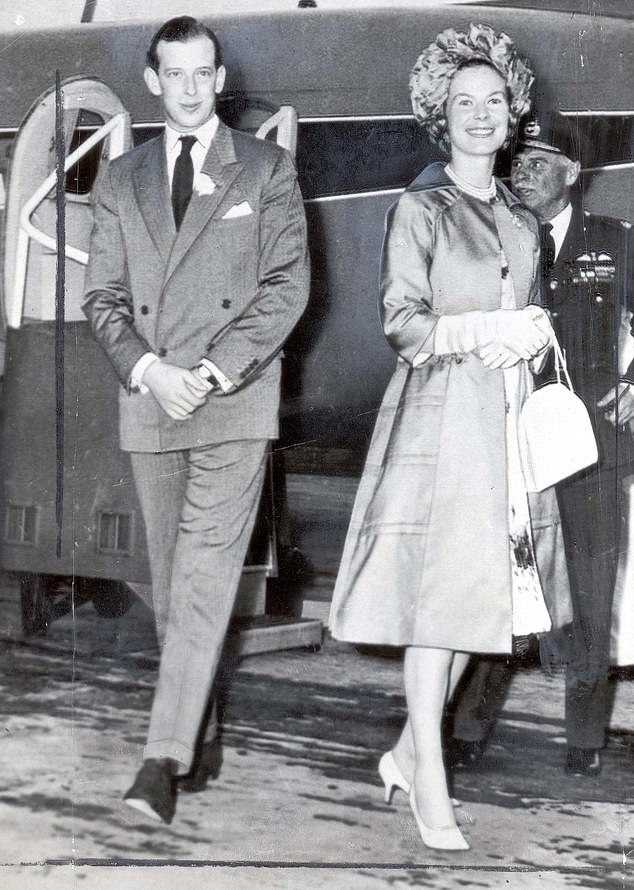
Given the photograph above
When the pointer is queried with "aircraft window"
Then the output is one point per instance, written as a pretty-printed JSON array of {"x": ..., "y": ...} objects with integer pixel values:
[
  {"x": 343, "y": 157},
  {"x": 80, "y": 178},
  {"x": 606, "y": 140},
  {"x": 114, "y": 533},
  {"x": 21, "y": 524},
  {"x": 350, "y": 156}
]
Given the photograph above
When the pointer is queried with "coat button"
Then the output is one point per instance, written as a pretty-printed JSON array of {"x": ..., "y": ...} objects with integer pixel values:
[
  {"x": 459, "y": 359},
  {"x": 144, "y": 310},
  {"x": 162, "y": 352},
  {"x": 554, "y": 284},
  {"x": 598, "y": 297}
]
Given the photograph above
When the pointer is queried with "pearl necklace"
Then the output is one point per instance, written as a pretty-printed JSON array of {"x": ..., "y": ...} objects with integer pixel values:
[{"x": 482, "y": 194}]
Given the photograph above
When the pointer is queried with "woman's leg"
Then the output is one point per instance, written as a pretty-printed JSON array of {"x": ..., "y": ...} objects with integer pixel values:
[
  {"x": 427, "y": 677},
  {"x": 403, "y": 750}
]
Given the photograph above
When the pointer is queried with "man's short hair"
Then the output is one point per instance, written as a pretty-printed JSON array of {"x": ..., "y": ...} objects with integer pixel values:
[{"x": 182, "y": 28}]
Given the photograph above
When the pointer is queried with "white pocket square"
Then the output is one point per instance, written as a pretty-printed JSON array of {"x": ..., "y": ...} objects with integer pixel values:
[{"x": 242, "y": 209}]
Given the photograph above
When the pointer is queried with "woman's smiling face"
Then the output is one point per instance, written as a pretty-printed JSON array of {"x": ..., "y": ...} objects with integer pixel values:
[{"x": 477, "y": 111}]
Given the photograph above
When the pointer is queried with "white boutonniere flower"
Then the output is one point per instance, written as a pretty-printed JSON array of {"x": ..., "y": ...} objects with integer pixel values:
[{"x": 204, "y": 184}]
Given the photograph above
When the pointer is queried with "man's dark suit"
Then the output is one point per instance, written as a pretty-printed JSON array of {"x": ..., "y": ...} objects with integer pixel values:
[
  {"x": 228, "y": 286},
  {"x": 588, "y": 292}
]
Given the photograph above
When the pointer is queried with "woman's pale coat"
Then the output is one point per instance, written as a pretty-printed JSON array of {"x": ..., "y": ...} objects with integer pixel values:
[{"x": 427, "y": 558}]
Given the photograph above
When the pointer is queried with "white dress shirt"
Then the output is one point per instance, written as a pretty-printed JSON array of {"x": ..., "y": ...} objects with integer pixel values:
[
  {"x": 204, "y": 136},
  {"x": 560, "y": 224}
]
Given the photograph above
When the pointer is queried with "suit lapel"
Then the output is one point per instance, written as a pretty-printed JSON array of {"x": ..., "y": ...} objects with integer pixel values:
[
  {"x": 153, "y": 197},
  {"x": 221, "y": 166}
]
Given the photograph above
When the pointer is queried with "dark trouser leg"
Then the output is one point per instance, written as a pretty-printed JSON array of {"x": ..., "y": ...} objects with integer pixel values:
[
  {"x": 480, "y": 697},
  {"x": 590, "y": 522},
  {"x": 222, "y": 490}
]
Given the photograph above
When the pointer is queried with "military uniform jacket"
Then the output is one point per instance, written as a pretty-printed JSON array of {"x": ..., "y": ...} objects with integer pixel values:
[{"x": 588, "y": 292}]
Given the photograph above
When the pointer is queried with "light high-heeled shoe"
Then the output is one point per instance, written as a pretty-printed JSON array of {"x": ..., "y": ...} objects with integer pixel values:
[
  {"x": 393, "y": 778},
  {"x": 447, "y": 838}
]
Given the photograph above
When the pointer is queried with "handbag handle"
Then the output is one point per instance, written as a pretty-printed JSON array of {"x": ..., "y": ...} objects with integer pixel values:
[{"x": 560, "y": 364}]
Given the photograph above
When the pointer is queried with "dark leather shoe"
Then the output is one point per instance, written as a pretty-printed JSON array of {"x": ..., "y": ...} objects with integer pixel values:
[
  {"x": 206, "y": 766},
  {"x": 583, "y": 762},
  {"x": 466, "y": 754},
  {"x": 154, "y": 790}
]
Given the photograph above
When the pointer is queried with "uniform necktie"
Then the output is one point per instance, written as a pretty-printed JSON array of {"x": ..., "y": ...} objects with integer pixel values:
[
  {"x": 547, "y": 248},
  {"x": 183, "y": 180}
]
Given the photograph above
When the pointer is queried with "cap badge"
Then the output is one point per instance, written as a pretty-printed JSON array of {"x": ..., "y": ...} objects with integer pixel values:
[{"x": 532, "y": 129}]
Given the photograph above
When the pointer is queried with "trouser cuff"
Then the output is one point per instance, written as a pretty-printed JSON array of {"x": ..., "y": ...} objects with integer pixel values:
[{"x": 174, "y": 750}]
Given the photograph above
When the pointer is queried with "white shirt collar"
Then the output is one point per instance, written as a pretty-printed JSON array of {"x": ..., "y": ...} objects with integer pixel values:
[
  {"x": 560, "y": 225},
  {"x": 203, "y": 134}
]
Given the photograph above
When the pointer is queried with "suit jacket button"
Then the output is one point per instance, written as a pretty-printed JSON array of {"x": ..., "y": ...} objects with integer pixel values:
[
  {"x": 144, "y": 310},
  {"x": 162, "y": 352}
]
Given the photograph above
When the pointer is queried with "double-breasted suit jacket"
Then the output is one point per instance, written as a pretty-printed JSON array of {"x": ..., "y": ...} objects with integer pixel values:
[
  {"x": 229, "y": 285},
  {"x": 426, "y": 561}
]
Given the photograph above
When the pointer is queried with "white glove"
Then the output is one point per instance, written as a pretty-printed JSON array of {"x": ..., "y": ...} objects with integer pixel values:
[{"x": 524, "y": 332}]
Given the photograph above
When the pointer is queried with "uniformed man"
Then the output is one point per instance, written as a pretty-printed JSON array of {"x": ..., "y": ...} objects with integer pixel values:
[{"x": 587, "y": 274}]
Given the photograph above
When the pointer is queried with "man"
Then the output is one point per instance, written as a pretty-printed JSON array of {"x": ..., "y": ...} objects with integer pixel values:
[
  {"x": 586, "y": 285},
  {"x": 198, "y": 272}
]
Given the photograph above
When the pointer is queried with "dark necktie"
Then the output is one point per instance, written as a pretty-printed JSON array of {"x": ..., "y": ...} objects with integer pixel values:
[
  {"x": 183, "y": 180},
  {"x": 547, "y": 248}
]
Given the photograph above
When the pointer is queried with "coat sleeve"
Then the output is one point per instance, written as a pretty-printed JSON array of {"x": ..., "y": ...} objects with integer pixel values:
[
  {"x": 411, "y": 324},
  {"x": 254, "y": 337},
  {"x": 107, "y": 298},
  {"x": 406, "y": 308}
]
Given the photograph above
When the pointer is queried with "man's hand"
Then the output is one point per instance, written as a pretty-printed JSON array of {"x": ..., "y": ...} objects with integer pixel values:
[
  {"x": 178, "y": 391},
  {"x": 622, "y": 393}
]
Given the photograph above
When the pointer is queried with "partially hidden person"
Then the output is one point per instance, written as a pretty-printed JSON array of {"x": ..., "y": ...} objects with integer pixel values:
[{"x": 587, "y": 269}]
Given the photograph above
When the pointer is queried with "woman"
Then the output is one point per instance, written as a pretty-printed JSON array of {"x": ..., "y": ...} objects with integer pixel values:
[{"x": 439, "y": 556}]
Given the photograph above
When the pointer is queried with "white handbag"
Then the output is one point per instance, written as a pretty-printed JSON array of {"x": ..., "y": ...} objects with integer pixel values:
[{"x": 555, "y": 435}]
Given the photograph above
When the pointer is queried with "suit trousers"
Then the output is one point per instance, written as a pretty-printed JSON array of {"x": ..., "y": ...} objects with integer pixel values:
[
  {"x": 480, "y": 696},
  {"x": 591, "y": 510},
  {"x": 199, "y": 507}
]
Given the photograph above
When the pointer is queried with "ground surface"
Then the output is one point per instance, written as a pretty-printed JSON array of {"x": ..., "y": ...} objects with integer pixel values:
[{"x": 298, "y": 803}]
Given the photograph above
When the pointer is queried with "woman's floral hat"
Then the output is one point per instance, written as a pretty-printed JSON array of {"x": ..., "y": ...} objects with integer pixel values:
[{"x": 451, "y": 50}]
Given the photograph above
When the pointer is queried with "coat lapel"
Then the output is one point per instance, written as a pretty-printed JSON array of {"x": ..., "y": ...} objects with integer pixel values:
[
  {"x": 221, "y": 166},
  {"x": 517, "y": 240},
  {"x": 153, "y": 197}
]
